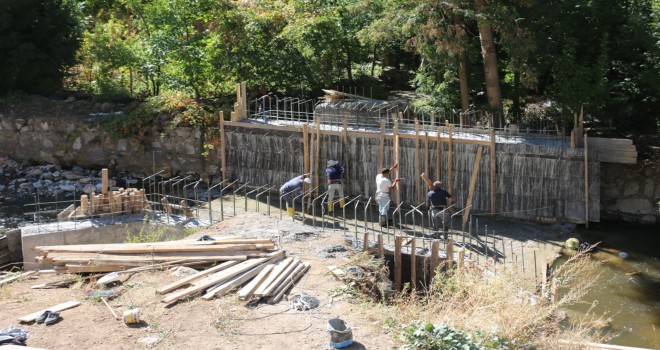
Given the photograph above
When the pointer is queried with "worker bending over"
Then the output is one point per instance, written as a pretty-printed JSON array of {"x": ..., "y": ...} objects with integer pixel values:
[
  {"x": 333, "y": 173},
  {"x": 292, "y": 189}
]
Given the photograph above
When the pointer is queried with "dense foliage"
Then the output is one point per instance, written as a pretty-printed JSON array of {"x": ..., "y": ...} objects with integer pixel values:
[
  {"x": 500, "y": 55},
  {"x": 37, "y": 38}
]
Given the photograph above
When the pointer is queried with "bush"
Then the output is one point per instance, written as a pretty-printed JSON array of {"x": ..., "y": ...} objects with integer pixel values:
[{"x": 426, "y": 336}]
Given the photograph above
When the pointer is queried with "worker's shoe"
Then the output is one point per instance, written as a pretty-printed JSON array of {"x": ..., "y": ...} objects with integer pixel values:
[
  {"x": 290, "y": 211},
  {"x": 342, "y": 202},
  {"x": 329, "y": 207},
  {"x": 382, "y": 220}
]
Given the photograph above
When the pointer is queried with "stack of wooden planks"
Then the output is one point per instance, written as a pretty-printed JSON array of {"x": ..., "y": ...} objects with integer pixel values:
[
  {"x": 122, "y": 256},
  {"x": 269, "y": 277}
]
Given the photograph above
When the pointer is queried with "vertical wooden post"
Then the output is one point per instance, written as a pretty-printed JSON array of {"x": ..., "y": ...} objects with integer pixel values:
[
  {"x": 450, "y": 160},
  {"x": 381, "y": 246},
  {"x": 317, "y": 158},
  {"x": 84, "y": 204},
  {"x": 449, "y": 251},
  {"x": 413, "y": 263},
  {"x": 345, "y": 153},
  {"x": 473, "y": 182},
  {"x": 586, "y": 181},
  {"x": 306, "y": 155},
  {"x": 432, "y": 119},
  {"x": 426, "y": 164},
  {"x": 398, "y": 242},
  {"x": 244, "y": 110},
  {"x": 381, "y": 145},
  {"x": 365, "y": 242},
  {"x": 461, "y": 260},
  {"x": 438, "y": 156},
  {"x": 544, "y": 277},
  {"x": 397, "y": 193},
  {"x": 493, "y": 179},
  {"x": 104, "y": 182},
  {"x": 223, "y": 147},
  {"x": 417, "y": 164},
  {"x": 435, "y": 257}
]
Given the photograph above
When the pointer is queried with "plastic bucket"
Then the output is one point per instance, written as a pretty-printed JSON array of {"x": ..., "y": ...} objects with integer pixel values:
[
  {"x": 132, "y": 316},
  {"x": 339, "y": 333}
]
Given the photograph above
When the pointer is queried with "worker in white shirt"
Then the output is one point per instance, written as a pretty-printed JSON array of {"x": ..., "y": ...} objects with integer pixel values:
[{"x": 383, "y": 188}]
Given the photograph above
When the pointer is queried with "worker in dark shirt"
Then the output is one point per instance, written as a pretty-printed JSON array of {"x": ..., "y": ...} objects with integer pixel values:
[
  {"x": 439, "y": 199},
  {"x": 333, "y": 173}
]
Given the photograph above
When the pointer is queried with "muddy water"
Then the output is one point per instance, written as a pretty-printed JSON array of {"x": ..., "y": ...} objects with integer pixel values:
[{"x": 628, "y": 291}]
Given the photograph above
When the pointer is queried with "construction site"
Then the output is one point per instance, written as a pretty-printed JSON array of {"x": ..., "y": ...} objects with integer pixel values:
[{"x": 543, "y": 175}]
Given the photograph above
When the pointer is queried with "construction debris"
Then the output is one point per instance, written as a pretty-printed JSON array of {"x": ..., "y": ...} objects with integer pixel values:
[{"x": 57, "y": 308}]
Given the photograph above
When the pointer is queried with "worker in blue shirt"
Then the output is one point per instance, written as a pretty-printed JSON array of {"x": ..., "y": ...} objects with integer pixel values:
[
  {"x": 292, "y": 189},
  {"x": 439, "y": 199},
  {"x": 333, "y": 173}
]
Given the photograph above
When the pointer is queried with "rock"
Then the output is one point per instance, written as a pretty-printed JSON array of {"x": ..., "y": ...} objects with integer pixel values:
[
  {"x": 35, "y": 172},
  {"x": 78, "y": 169},
  {"x": 107, "y": 107},
  {"x": 89, "y": 188},
  {"x": 57, "y": 174},
  {"x": 72, "y": 176},
  {"x": 85, "y": 180},
  {"x": 46, "y": 176},
  {"x": 37, "y": 184},
  {"x": 2, "y": 187},
  {"x": 183, "y": 271},
  {"x": 70, "y": 99},
  {"x": 648, "y": 220},
  {"x": 25, "y": 186},
  {"x": 632, "y": 189},
  {"x": 634, "y": 206},
  {"x": 66, "y": 187}
]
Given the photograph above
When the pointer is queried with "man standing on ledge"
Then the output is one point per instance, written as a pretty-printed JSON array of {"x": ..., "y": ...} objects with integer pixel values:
[
  {"x": 292, "y": 189},
  {"x": 383, "y": 187},
  {"x": 333, "y": 173}
]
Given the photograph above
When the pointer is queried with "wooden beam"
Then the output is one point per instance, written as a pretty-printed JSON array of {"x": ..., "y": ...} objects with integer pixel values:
[
  {"x": 438, "y": 155},
  {"x": 449, "y": 252},
  {"x": 473, "y": 182},
  {"x": 57, "y": 308},
  {"x": 365, "y": 242},
  {"x": 417, "y": 164},
  {"x": 296, "y": 276},
  {"x": 426, "y": 164},
  {"x": 104, "y": 182},
  {"x": 306, "y": 155},
  {"x": 435, "y": 257},
  {"x": 233, "y": 283},
  {"x": 223, "y": 147},
  {"x": 187, "y": 280},
  {"x": 277, "y": 270},
  {"x": 450, "y": 162},
  {"x": 256, "y": 282},
  {"x": 381, "y": 246},
  {"x": 344, "y": 147},
  {"x": 586, "y": 181},
  {"x": 397, "y": 193},
  {"x": 398, "y": 242},
  {"x": 493, "y": 178},
  {"x": 381, "y": 145},
  {"x": 461, "y": 260},
  {"x": 317, "y": 157},
  {"x": 17, "y": 277}
]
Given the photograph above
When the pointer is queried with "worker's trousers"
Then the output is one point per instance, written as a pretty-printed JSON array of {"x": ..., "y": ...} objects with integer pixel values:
[
  {"x": 335, "y": 187},
  {"x": 383, "y": 203}
]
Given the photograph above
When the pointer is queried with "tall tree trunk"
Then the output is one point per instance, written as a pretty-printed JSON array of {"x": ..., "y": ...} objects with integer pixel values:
[
  {"x": 493, "y": 92},
  {"x": 349, "y": 59},
  {"x": 462, "y": 70},
  {"x": 373, "y": 62}
]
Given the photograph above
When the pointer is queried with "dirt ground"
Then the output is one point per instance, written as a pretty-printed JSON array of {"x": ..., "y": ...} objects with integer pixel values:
[{"x": 225, "y": 323}]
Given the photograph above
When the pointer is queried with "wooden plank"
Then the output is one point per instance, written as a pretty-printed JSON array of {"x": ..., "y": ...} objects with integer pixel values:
[
  {"x": 17, "y": 277},
  {"x": 586, "y": 181},
  {"x": 596, "y": 142},
  {"x": 438, "y": 156},
  {"x": 233, "y": 283},
  {"x": 306, "y": 155},
  {"x": 223, "y": 147},
  {"x": 397, "y": 192},
  {"x": 449, "y": 252},
  {"x": 473, "y": 182},
  {"x": 435, "y": 257},
  {"x": 287, "y": 283},
  {"x": 493, "y": 178},
  {"x": 94, "y": 258},
  {"x": 317, "y": 157},
  {"x": 426, "y": 161},
  {"x": 177, "y": 246},
  {"x": 279, "y": 268},
  {"x": 450, "y": 162},
  {"x": 398, "y": 241},
  {"x": 218, "y": 277},
  {"x": 417, "y": 164},
  {"x": 187, "y": 280},
  {"x": 274, "y": 299},
  {"x": 381, "y": 246},
  {"x": 104, "y": 182},
  {"x": 57, "y": 308},
  {"x": 268, "y": 291},
  {"x": 413, "y": 263},
  {"x": 256, "y": 282}
]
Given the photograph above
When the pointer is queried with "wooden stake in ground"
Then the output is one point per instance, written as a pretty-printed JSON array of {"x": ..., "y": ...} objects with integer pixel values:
[
  {"x": 57, "y": 308},
  {"x": 473, "y": 182}
]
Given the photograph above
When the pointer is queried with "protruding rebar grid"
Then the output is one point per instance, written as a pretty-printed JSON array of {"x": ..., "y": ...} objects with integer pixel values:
[
  {"x": 248, "y": 193},
  {"x": 267, "y": 198},
  {"x": 210, "y": 199},
  {"x": 344, "y": 211},
  {"x": 322, "y": 195},
  {"x": 306, "y": 194},
  {"x": 236, "y": 191}
]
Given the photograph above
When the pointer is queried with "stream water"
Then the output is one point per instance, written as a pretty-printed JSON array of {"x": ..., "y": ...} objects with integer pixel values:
[{"x": 627, "y": 292}]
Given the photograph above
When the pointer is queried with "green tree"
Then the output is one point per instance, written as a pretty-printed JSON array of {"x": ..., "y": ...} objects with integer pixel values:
[{"x": 39, "y": 41}]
